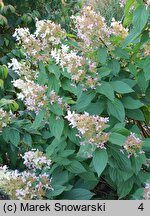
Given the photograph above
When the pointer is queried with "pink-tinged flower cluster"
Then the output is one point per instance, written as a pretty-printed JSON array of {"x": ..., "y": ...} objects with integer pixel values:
[
  {"x": 38, "y": 45},
  {"x": 81, "y": 69},
  {"x": 33, "y": 95},
  {"x": 91, "y": 27},
  {"x": 29, "y": 184},
  {"x": 90, "y": 128},
  {"x": 49, "y": 32},
  {"x": 118, "y": 29},
  {"x": 58, "y": 100},
  {"x": 36, "y": 160},
  {"x": 5, "y": 118},
  {"x": 147, "y": 191},
  {"x": 133, "y": 145}
]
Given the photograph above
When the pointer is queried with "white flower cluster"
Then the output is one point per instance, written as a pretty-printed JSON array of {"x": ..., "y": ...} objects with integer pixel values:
[
  {"x": 91, "y": 27},
  {"x": 118, "y": 29},
  {"x": 15, "y": 65},
  {"x": 23, "y": 69},
  {"x": 133, "y": 145},
  {"x": 21, "y": 33},
  {"x": 76, "y": 65},
  {"x": 49, "y": 31},
  {"x": 91, "y": 127},
  {"x": 38, "y": 45},
  {"x": 36, "y": 160},
  {"x": 32, "y": 94}
]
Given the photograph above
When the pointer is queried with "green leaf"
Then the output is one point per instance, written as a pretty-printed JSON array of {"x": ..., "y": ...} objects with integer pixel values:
[
  {"x": 56, "y": 126},
  {"x": 68, "y": 86},
  {"x": 140, "y": 17},
  {"x": 142, "y": 80},
  {"x": 78, "y": 194},
  {"x": 66, "y": 153},
  {"x": 27, "y": 139},
  {"x": 1, "y": 84},
  {"x": 124, "y": 188},
  {"x": 55, "y": 70},
  {"x": 133, "y": 69},
  {"x": 138, "y": 195},
  {"x": 56, "y": 109},
  {"x": 103, "y": 71},
  {"x": 51, "y": 148},
  {"x": 130, "y": 103},
  {"x": 57, "y": 190},
  {"x": 53, "y": 84},
  {"x": 100, "y": 159},
  {"x": 102, "y": 55},
  {"x": 131, "y": 37},
  {"x": 114, "y": 66},
  {"x": 84, "y": 100},
  {"x": 116, "y": 109},
  {"x": 86, "y": 150},
  {"x": 14, "y": 136},
  {"x": 42, "y": 77},
  {"x": 117, "y": 139},
  {"x": 137, "y": 163},
  {"x": 146, "y": 143},
  {"x": 106, "y": 89},
  {"x": 76, "y": 167},
  {"x": 3, "y": 71},
  {"x": 120, "y": 160},
  {"x": 121, "y": 87},
  {"x": 120, "y": 128},
  {"x": 119, "y": 52},
  {"x": 5, "y": 134},
  {"x": 60, "y": 178},
  {"x": 38, "y": 119},
  {"x": 96, "y": 108},
  {"x": 136, "y": 114},
  {"x": 146, "y": 68}
]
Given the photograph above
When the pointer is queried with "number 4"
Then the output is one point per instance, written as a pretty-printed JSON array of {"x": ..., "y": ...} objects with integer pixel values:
[{"x": 141, "y": 207}]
